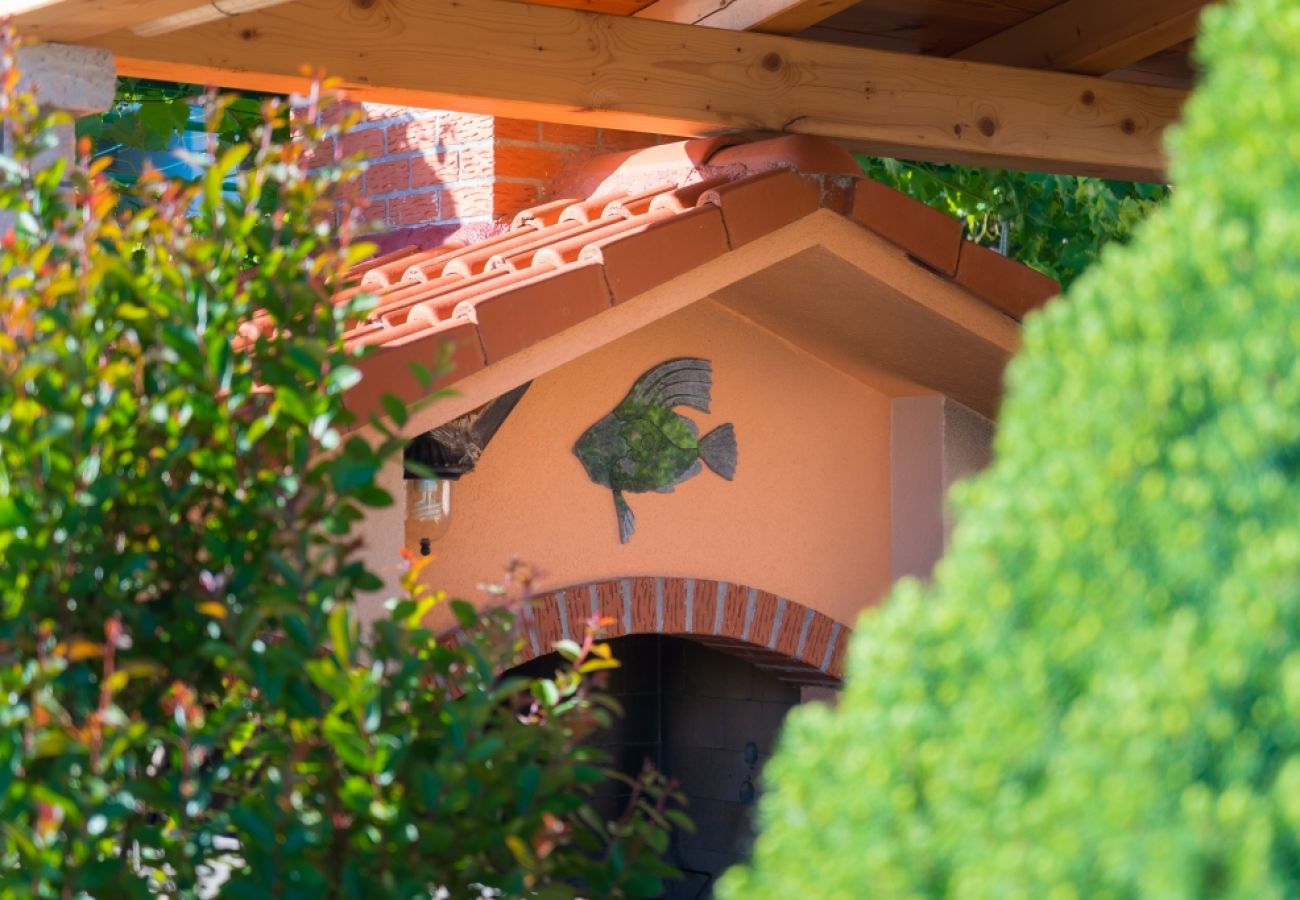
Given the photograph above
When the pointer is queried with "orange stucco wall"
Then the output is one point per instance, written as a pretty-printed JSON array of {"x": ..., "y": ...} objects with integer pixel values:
[{"x": 807, "y": 516}]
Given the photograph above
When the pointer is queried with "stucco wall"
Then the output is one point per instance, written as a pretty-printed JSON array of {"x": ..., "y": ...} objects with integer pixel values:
[{"x": 807, "y": 516}]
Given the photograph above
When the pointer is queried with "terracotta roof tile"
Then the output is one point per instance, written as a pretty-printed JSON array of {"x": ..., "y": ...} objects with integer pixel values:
[
  {"x": 924, "y": 232},
  {"x": 388, "y": 369},
  {"x": 647, "y": 256},
  {"x": 541, "y": 216},
  {"x": 514, "y": 318},
  {"x": 394, "y": 270},
  {"x": 568, "y": 248},
  {"x": 442, "y": 304},
  {"x": 1002, "y": 282},
  {"x": 658, "y": 214},
  {"x": 755, "y": 206}
]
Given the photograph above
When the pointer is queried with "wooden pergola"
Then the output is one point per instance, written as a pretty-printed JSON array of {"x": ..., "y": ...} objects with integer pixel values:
[{"x": 1076, "y": 86}]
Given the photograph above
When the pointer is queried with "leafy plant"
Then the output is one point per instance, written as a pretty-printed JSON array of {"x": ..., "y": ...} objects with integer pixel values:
[
  {"x": 1057, "y": 224},
  {"x": 1100, "y": 695},
  {"x": 189, "y": 694}
]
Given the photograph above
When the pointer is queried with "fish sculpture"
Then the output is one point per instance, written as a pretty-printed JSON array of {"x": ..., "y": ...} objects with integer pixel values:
[{"x": 643, "y": 445}]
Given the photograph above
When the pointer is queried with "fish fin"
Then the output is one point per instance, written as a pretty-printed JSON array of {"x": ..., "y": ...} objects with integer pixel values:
[
  {"x": 686, "y": 381},
  {"x": 626, "y": 520},
  {"x": 718, "y": 450}
]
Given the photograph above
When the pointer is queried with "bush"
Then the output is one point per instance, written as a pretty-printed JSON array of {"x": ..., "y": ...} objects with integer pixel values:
[
  {"x": 1100, "y": 695},
  {"x": 181, "y": 667}
]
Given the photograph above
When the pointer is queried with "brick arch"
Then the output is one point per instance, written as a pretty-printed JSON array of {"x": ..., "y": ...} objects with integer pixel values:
[{"x": 791, "y": 641}]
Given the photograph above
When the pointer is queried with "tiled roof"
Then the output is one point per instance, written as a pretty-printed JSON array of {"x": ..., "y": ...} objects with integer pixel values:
[{"x": 651, "y": 216}]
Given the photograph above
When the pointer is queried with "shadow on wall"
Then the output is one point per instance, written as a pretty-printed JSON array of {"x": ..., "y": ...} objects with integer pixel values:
[{"x": 709, "y": 720}]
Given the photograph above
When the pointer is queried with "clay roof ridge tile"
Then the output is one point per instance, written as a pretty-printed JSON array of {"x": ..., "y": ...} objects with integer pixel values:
[
  {"x": 470, "y": 260},
  {"x": 365, "y": 265},
  {"x": 592, "y": 208},
  {"x": 687, "y": 196},
  {"x": 394, "y": 271},
  {"x": 563, "y": 248},
  {"x": 543, "y": 214},
  {"x": 443, "y": 307},
  {"x": 637, "y": 203}
]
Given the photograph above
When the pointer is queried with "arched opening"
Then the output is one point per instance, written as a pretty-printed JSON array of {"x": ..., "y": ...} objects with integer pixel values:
[{"x": 709, "y": 672}]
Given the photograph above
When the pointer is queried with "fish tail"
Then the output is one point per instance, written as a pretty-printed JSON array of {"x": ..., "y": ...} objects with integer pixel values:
[
  {"x": 626, "y": 520},
  {"x": 718, "y": 450}
]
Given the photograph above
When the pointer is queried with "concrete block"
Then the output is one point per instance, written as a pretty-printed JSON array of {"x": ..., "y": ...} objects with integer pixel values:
[{"x": 81, "y": 80}]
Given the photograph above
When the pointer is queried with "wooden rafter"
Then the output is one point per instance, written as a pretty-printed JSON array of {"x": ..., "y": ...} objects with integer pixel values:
[
  {"x": 75, "y": 20},
  {"x": 1091, "y": 36},
  {"x": 561, "y": 65},
  {"x": 767, "y": 16}
]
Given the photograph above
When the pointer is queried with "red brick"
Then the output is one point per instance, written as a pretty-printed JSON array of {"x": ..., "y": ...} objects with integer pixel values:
[
  {"x": 476, "y": 162},
  {"x": 733, "y": 614},
  {"x": 787, "y": 642},
  {"x": 508, "y": 199},
  {"x": 320, "y": 155},
  {"x": 819, "y": 633},
  {"x": 384, "y": 178},
  {"x": 580, "y": 135},
  {"x": 335, "y": 113},
  {"x": 643, "y": 605},
  {"x": 435, "y": 167},
  {"x": 706, "y": 608},
  {"x": 527, "y": 162},
  {"x": 546, "y": 613},
  {"x": 836, "y": 667},
  {"x": 674, "y": 606},
  {"x": 463, "y": 201},
  {"x": 516, "y": 130},
  {"x": 413, "y": 209},
  {"x": 627, "y": 140},
  {"x": 462, "y": 128},
  {"x": 408, "y": 136},
  {"x": 577, "y": 602},
  {"x": 378, "y": 112},
  {"x": 610, "y": 595},
  {"x": 760, "y": 629},
  {"x": 369, "y": 143}
]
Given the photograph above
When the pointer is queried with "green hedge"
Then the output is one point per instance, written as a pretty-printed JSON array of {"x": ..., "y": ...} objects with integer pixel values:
[{"x": 1100, "y": 695}]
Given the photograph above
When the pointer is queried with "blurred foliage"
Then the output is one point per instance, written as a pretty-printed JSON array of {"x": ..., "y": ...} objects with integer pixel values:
[
  {"x": 1100, "y": 694},
  {"x": 150, "y": 115},
  {"x": 187, "y": 687},
  {"x": 1058, "y": 224}
]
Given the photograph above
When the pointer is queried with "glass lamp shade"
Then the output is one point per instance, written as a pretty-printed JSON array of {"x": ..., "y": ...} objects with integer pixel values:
[{"x": 428, "y": 506}]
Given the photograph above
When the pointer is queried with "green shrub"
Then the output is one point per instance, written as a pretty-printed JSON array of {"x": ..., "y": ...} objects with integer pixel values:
[
  {"x": 1100, "y": 694},
  {"x": 180, "y": 665}
]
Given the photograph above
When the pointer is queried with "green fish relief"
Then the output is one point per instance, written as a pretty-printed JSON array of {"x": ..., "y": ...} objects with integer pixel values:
[{"x": 644, "y": 446}]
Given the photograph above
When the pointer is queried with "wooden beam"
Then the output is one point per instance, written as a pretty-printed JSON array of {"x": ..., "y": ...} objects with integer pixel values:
[
  {"x": 613, "y": 7},
  {"x": 560, "y": 65},
  {"x": 1091, "y": 37},
  {"x": 766, "y": 16},
  {"x": 75, "y": 20}
]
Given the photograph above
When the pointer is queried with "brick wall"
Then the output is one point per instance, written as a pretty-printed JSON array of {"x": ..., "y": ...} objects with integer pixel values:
[{"x": 449, "y": 171}]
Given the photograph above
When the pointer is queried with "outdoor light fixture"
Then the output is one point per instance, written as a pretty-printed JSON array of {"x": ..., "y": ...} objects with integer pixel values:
[
  {"x": 428, "y": 501},
  {"x": 438, "y": 458}
]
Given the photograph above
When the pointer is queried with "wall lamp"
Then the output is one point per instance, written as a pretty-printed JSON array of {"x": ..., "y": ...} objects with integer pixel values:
[{"x": 438, "y": 458}]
